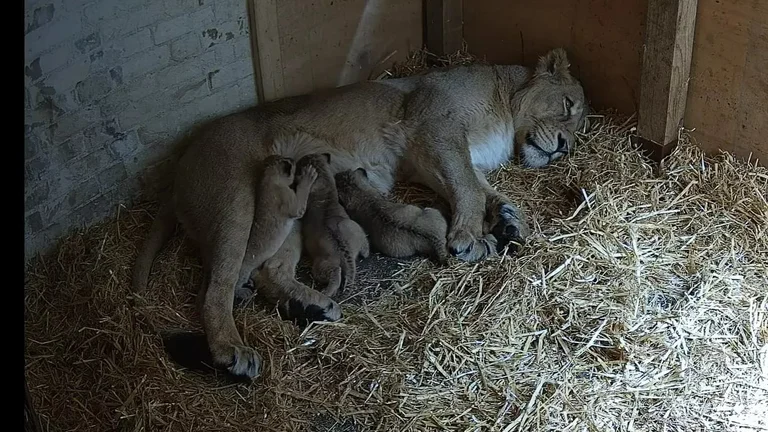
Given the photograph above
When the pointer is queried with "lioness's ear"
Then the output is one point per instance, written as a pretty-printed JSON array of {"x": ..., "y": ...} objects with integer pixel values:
[
  {"x": 327, "y": 157},
  {"x": 363, "y": 172},
  {"x": 554, "y": 63}
]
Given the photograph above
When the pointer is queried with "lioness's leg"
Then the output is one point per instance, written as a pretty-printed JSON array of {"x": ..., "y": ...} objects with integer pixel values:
[
  {"x": 442, "y": 161},
  {"x": 503, "y": 219}
]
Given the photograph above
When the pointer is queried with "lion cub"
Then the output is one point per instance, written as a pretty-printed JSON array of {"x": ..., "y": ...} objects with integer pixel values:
[
  {"x": 276, "y": 283},
  {"x": 332, "y": 239},
  {"x": 397, "y": 230},
  {"x": 278, "y": 206}
]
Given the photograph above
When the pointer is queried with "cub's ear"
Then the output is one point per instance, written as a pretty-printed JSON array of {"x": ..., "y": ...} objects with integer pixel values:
[
  {"x": 362, "y": 171},
  {"x": 554, "y": 63},
  {"x": 286, "y": 165},
  {"x": 327, "y": 157}
]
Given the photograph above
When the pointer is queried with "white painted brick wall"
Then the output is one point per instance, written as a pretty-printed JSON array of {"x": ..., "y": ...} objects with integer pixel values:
[{"x": 110, "y": 87}]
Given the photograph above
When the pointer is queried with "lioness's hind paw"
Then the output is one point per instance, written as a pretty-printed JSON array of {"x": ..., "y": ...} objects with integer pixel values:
[{"x": 245, "y": 363}]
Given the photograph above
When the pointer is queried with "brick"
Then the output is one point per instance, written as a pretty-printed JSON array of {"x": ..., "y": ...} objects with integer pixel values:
[
  {"x": 185, "y": 47},
  {"x": 126, "y": 146},
  {"x": 229, "y": 10},
  {"x": 179, "y": 7},
  {"x": 94, "y": 87},
  {"x": 190, "y": 92},
  {"x": 31, "y": 146},
  {"x": 134, "y": 43},
  {"x": 99, "y": 135},
  {"x": 230, "y": 73},
  {"x": 69, "y": 149},
  {"x": 74, "y": 122},
  {"x": 112, "y": 176},
  {"x": 105, "y": 11},
  {"x": 56, "y": 58},
  {"x": 65, "y": 79},
  {"x": 33, "y": 223},
  {"x": 88, "y": 43},
  {"x": 33, "y": 70},
  {"x": 36, "y": 196},
  {"x": 182, "y": 24},
  {"x": 218, "y": 103},
  {"x": 43, "y": 38},
  {"x": 145, "y": 62},
  {"x": 95, "y": 209},
  {"x": 83, "y": 193},
  {"x": 93, "y": 162},
  {"x": 37, "y": 166},
  {"x": 39, "y": 17}
]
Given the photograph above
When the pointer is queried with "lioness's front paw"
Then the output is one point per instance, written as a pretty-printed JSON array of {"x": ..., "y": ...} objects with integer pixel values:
[
  {"x": 465, "y": 247},
  {"x": 304, "y": 313},
  {"x": 240, "y": 361},
  {"x": 511, "y": 228}
]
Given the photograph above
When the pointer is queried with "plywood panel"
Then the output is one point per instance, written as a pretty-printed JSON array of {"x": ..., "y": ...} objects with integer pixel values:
[
  {"x": 728, "y": 93},
  {"x": 328, "y": 43},
  {"x": 603, "y": 39}
]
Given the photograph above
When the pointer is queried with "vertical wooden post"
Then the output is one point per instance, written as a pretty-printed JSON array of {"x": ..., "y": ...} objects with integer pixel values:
[
  {"x": 666, "y": 70},
  {"x": 265, "y": 46},
  {"x": 445, "y": 26}
]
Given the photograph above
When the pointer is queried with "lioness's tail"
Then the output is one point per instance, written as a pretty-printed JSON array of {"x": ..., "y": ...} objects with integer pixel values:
[{"x": 162, "y": 229}]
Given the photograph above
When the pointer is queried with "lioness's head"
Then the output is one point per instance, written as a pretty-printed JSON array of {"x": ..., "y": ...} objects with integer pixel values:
[{"x": 548, "y": 110}]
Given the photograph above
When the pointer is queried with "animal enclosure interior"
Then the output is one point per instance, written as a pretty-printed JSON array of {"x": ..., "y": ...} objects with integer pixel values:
[{"x": 639, "y": 301}]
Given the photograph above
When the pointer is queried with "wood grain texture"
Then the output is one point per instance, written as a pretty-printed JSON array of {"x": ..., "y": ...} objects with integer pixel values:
[
  {"x": 305, "y": 46},
  {"x": 667, "y": 54},
  {"x": 728, "y": 93},
  {"x": 603, "y": 38},
  {"x": 445, "y": 26},
  {"x": 265, "y": 42}
]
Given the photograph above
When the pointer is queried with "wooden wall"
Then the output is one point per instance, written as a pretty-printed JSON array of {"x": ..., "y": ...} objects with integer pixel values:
[
  {"x": 728, "y": 92},
  {"x": 302, "y": 46}
]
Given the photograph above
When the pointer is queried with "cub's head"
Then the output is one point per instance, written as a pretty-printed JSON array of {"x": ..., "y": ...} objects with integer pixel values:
[
  {"x": 279, "y": 168},
  {"x": 353, "y": 184},
  {"x": 321, "y": 162},
  {"x": 548, "y": 111}
]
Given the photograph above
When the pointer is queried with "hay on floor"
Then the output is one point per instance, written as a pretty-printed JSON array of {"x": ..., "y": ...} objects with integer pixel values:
[{"x": 639, "y": 303}]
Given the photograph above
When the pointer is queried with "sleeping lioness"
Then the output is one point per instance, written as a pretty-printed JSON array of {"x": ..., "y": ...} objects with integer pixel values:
[{"x": 443, "y": 129}]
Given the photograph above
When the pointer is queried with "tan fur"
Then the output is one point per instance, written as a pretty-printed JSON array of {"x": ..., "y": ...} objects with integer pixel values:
[
  {"x": 397, "y": 230},
  {"x": 276, "y": 282},
  {"x": 332, "y": 239},
  {"x": 444, "y": 129}
]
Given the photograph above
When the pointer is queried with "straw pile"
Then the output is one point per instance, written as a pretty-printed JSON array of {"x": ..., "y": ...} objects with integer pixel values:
[{"x": 639, "y": 303}]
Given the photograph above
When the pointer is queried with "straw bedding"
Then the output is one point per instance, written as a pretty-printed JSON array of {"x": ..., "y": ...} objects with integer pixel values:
[{"x": 639, "y": 303}]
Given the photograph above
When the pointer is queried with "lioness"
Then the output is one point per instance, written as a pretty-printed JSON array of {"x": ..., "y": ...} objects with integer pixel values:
[
  {"x": 397, "y": 230},
  {"x": 443, "y": 129}
]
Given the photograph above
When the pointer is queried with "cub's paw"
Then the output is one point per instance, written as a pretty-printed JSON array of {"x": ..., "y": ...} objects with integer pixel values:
[
  {"x": 241, "y": 362},
  {"x": 308, "y": 175},
  {"x": 511, "y": 229},
  {"x": 304, "y": 313},
  {"x": 244, "y": 293},
  {"x": 463, "y": 246}
]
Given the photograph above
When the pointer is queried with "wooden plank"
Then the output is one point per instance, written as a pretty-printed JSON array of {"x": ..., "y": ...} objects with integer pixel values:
[
  {"x": 603, "y": 39},
  {"x": 445, "y": 26},
  {"x": 330, "y": 43},
  {"x": 265, "y": 44},
  {"x": 667, "y": 53},
  {"x": 728, "y": 93}
]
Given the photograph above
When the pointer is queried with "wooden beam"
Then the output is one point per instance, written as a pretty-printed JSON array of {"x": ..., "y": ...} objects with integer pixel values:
[
  {"x": 666, "y": 69},
  {"x": 445, "y": 26},
  {"x": 265, "y": 46}
]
